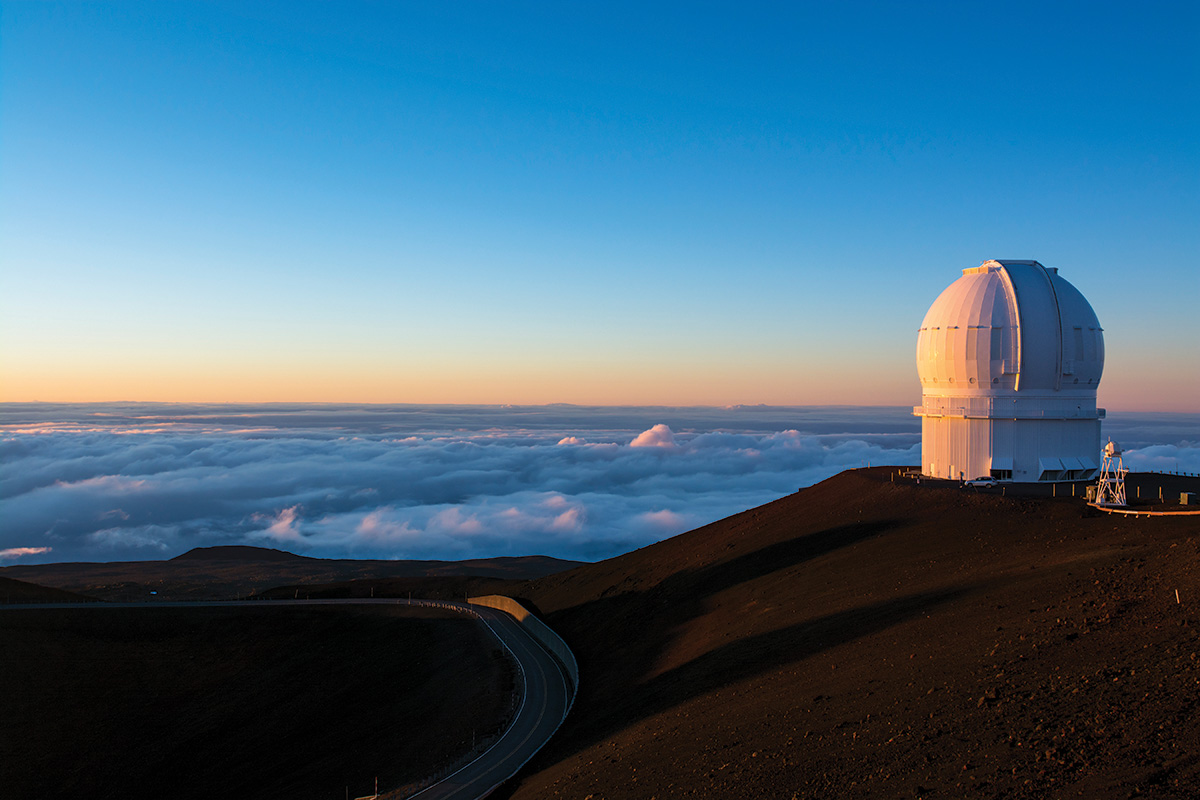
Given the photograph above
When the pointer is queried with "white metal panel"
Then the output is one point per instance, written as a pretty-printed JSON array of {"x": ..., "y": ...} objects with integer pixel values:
[
  {"x": 1009, "y": 358},
  {"x": 957, "y": 350},
  {"x": 1041, "y": 345},
  {"x": 1083, "y": 339}
]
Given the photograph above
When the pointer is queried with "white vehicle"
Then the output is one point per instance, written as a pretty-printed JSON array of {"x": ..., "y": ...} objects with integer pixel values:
[{"x": 984, "y": 481}]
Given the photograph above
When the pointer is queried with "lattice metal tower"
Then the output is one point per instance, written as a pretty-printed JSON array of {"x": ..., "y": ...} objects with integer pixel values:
[{"x": 1110, "y": 491}]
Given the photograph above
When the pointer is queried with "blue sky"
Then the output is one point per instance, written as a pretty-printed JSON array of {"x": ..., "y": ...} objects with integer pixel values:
[{"x": 619, "y": 203}]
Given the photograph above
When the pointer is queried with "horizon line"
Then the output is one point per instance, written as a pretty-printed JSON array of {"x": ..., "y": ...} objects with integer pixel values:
[{"x": 502, "y": 405}]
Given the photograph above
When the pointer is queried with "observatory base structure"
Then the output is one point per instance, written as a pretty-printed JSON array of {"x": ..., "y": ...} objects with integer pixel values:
[
  {"x": 960, "y": 442},
  {"x": 1010, "y": 357}
]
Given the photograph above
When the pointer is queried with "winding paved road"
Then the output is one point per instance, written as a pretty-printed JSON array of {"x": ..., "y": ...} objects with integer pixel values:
[
  {"x": 545, "y": 697},
  {"x": 544, "y": 702}
]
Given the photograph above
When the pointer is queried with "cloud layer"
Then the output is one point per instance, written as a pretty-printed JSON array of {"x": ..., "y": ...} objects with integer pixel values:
[{"x": 121, "y": 482}]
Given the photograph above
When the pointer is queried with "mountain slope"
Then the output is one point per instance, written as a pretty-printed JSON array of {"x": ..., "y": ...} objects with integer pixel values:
[
  {"x": 15, "y": 591},
  {"x": 240, "y": 571},
  {"x": 238, "y": 552},
  {"x": 874, "y": 639}
]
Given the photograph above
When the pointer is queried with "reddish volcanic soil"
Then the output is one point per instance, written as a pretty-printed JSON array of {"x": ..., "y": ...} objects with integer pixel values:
[
  {"x": 864, "y": 638},
  {"x": 269, "y": 702},
  {"x": 860, "y": 638}
]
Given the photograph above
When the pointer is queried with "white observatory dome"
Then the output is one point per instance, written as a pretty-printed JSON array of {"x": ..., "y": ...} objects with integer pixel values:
[
  {"x": 1010, "y": 326},
  {"x": 1009, "y": 357}
]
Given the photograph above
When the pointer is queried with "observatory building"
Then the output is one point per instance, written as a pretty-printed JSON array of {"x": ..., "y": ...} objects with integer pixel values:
[{"x": 1010, "y": 356}]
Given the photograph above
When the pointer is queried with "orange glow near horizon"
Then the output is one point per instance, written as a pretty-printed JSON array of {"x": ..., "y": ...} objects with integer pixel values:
[
  {"x": 719, "y": 384},
  {"x": 556, "y": 380}
]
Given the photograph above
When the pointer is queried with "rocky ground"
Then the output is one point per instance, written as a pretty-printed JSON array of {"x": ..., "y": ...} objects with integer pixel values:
[
  {"x": 865, "y": 637},
  {"x": 871, "y": 638}
]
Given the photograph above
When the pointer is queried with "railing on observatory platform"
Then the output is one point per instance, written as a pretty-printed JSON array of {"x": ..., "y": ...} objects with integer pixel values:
[
  {"x": 1134, "y": 512},
  {"x": 1009, "y": 408}
]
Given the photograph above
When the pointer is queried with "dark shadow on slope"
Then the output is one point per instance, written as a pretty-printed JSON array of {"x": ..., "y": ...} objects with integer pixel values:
[
  {"x": 602, "y": 718},
  {"x": 718, "y": 577},
  {"x": 755, "y": 655},
  {"x": 781, "y": 555},
  {"x": 623, "y": 633},
  {"x": 620, "y": 636}
]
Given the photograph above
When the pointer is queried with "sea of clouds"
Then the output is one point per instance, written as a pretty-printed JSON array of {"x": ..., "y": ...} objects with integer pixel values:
[{"x": 144, "y": 481}]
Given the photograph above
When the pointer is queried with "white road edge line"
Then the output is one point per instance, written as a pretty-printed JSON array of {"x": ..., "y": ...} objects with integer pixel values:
[
  {"x": 524, "y": 696},
  {"x": 567, "y": 710}
]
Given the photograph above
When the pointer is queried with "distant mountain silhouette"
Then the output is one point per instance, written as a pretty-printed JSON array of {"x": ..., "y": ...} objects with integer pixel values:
[
  {"x": 232, "y": 571},
  {"x": 238, "y": 552}
]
